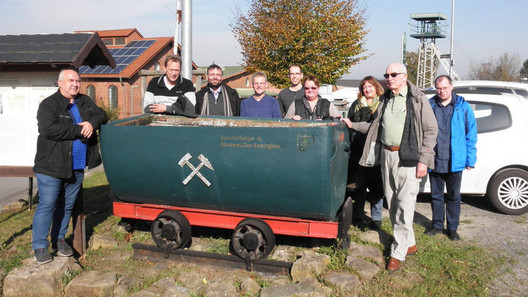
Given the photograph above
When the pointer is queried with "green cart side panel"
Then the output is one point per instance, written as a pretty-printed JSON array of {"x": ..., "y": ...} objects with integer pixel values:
[{"x": 276, "y": 167}]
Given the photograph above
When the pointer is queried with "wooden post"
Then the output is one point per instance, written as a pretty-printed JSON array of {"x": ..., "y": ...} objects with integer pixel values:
[
  {"x": 30, "y": 194},
  {"x": 79, "y": 227}
]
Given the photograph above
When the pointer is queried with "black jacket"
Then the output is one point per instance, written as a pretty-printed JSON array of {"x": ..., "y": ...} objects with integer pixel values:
[
  {"x": 233, "y": 96},
  {"x": 322, "y": 110},
  {"x": 157, "y": 92},
  {"x": 57, "y": 131}
]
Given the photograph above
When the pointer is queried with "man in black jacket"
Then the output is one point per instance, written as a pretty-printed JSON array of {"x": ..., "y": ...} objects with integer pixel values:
[
  {"x": 170, "y": 93},
  {"x": 67, "y": 143},
  {"x": 217, "y": 98}
]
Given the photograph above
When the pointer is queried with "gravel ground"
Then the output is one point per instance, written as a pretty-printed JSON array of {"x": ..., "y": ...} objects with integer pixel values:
[{"x": 507, "y": 235}]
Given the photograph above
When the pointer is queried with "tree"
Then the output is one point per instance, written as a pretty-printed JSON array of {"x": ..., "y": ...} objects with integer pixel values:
[
  {"x": 412, "y": 66},
  {"x": 504, "y": 68},
  {"x": 524, "y": 70},
  {"x": 324, "y": 37}
]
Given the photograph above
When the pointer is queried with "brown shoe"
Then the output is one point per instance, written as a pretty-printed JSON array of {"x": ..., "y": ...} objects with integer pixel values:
[
  {"x": 412, "y": 250},
  {"x": 394, "y": 265}
]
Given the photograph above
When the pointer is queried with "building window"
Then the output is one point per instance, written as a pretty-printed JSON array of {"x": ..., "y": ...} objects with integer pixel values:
[
  {"x": 108, "y": 41},
  {"x": 119, "y": 41},
  {"x": 247, "y": 82},
  {"x": 157, "y": 66},
  {"x": 90, "y": 91},
  {"x": 112, "y": 97}
]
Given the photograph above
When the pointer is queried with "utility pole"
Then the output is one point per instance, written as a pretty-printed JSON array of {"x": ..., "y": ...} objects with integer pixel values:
[
  {"x": 186, "y": 44},
  {"x": 177, "y": 28}
]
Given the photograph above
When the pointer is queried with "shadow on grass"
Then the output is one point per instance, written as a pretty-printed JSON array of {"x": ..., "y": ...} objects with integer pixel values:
[
  {"x": 15, "y": 235},
  {"x": 13, "y": 213},
  {"x": 96, "y": 205}
]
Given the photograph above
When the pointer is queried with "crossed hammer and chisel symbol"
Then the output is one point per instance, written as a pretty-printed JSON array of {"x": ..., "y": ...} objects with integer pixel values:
[{"x": 195, "y": 170}]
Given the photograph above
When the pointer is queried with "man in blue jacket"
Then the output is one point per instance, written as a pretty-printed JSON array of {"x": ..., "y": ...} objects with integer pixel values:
[{"x": 455, "y": 151}]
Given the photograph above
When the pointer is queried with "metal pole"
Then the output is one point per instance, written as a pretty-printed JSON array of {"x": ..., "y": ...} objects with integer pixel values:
[
  {"x": 403, "y": 57},
  {"x": 177, "y": 29},
  {"x": 452, "y": 33},
  {"x": 30, "y": 193},
  {"x": 186, "y": 44}
]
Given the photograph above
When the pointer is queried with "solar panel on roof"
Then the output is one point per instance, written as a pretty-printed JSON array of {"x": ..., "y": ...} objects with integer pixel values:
[{"x": 123, "y": 57}]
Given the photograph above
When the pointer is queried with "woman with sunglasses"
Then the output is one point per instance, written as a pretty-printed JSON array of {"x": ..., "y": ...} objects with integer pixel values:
[
  {"x": 364, "y": 109},
  {"x": 312, "y": 106}
]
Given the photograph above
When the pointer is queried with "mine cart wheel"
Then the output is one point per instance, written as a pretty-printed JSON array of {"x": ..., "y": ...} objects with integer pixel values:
[
  {"x": 253, "y": 239},
  {"x": 171, "y": 230}
]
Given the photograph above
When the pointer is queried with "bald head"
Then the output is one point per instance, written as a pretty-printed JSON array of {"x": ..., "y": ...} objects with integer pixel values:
[
  {"x": 396, "y": 77},
  {"x": 69, "y": 83}
]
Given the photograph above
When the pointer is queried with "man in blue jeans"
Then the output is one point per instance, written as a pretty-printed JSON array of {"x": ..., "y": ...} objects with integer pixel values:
[
  {"x": 455, "y": 151},
  {"x": 67, "y": 143}
]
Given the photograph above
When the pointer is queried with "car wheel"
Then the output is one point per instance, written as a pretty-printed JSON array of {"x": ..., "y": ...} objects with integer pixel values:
[{"x": 508, "y": 191}]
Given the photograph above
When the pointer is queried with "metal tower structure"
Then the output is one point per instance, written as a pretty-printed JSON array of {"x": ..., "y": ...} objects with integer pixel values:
[{"x": 427, "y": 30}]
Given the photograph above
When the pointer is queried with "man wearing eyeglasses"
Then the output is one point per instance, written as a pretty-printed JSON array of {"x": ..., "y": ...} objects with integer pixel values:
[
  {"x": 402, "y": 139},
  {"x": 455, "y": 151},
  {"x": 217, "y": 98},
  {"x": 294, "y": 91}
]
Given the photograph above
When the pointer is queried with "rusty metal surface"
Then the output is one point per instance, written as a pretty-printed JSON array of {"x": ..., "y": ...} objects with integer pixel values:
[
  {"x": 224, "y": 122},
  {"x": 153, "y": 253}
]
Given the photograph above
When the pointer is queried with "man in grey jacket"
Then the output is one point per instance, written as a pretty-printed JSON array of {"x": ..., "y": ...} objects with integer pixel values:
[{"x": 402, "y": 138}]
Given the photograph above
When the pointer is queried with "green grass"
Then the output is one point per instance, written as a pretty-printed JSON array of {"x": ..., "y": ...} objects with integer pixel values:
[
  {"x": 440, "y": 268},
  {"x": 15, "y": 238}
]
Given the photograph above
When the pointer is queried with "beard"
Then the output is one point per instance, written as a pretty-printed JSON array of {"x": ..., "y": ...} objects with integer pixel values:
[{"x": 214, "y": 86}]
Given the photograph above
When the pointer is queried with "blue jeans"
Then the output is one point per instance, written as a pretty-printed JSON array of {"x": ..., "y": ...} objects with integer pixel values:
[
  {"x": 452, "y": 182},
  {"x": 371, "y": 180},
  {"x": 376, "y": 204},
  {"x": 56, "y": 200}
]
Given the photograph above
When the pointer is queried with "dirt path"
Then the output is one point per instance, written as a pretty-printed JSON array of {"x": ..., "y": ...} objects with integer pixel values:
[{"x": 507, "y": 235}]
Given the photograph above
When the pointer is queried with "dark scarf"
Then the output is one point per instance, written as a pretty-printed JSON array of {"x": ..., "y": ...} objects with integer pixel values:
[{"x": 228, "y": 112}]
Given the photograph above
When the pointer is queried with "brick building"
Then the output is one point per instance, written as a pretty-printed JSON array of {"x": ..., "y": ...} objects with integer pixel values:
[{"x": 138, "y": 60}]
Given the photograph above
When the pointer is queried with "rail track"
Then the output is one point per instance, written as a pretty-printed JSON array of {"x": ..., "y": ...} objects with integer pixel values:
[{"x": 154, "y": 253}]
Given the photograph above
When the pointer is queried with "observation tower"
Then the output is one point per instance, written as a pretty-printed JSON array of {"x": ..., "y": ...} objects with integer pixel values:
[{"x": 429, "y": 27}]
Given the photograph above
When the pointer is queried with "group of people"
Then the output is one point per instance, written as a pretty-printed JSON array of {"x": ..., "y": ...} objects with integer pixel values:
[
  {"x": 398, "y": 136},
  {"x": 172, "y": 94}
]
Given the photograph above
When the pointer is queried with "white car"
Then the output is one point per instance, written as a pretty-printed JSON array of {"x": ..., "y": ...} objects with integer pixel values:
[
  {"x": 501, "y": 171},
  {"x": 505, "y": 87}
]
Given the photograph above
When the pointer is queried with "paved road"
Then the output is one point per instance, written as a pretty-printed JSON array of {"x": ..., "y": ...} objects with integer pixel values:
[{"x": 13, "y": 189}]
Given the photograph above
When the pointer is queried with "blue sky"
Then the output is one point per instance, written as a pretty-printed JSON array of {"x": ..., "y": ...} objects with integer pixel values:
[{"x": 483, "y": 28}]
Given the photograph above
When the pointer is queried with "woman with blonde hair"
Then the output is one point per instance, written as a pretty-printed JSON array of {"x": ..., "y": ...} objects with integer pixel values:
[{"x": 364, "y": 109}]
